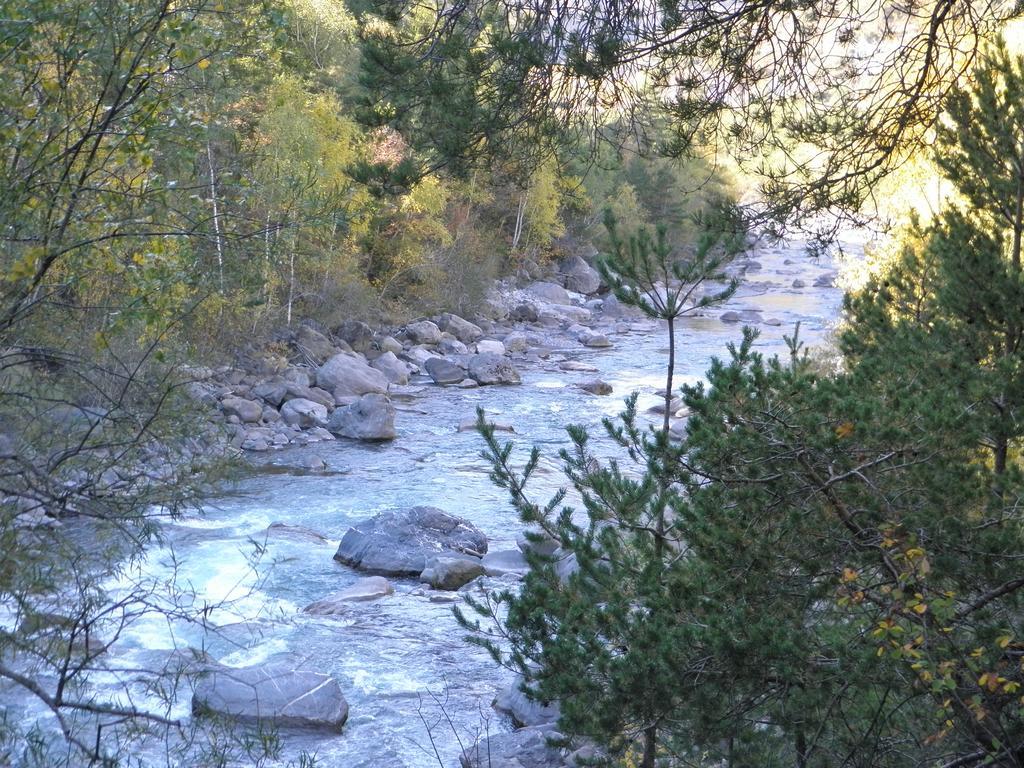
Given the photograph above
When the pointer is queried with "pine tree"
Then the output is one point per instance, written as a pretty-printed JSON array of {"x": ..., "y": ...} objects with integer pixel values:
[{"x": 596, "y": 628}]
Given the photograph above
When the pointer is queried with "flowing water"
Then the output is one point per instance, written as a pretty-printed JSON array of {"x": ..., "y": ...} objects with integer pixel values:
[{"x": 395, "y": 656}]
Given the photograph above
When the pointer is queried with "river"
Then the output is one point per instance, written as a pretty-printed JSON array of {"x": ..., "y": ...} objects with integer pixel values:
[{"x": 395, "y": 655}]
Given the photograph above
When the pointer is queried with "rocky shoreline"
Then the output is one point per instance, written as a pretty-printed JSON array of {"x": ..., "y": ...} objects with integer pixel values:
[{"x": 343, "y": 383}]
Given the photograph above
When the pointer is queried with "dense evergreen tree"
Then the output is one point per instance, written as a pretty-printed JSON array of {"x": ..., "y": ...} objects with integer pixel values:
[{"x": 838, "y": 581}]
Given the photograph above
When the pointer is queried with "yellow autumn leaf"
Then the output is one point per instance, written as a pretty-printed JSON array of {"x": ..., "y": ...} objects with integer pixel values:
[
  {"x": 920, "y": 608},
  {"x": 203, "y": 63},
  {"x": 844, "y": 430},
  {"x": 1004, "y": 641}
]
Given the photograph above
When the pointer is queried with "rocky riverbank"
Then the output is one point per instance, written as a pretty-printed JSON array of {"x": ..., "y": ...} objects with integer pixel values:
[
  {"x": 319, "y": 384},
  {"x": 310, "y": 391}
]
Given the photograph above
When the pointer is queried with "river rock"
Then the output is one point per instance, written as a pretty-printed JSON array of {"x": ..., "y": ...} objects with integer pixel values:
[
  {"x": 509, "y": 561},
  {"x": 825, "y": 281},
  {"x": 536, "y": 541},
  {"x": 594, "y": 339},
  {"x": 516, "y": 342},
  {"x": 525, "y": 711},
  {"x": 492, "y": 369},
  {"x": 364, "y": 590},
  {"x": 798, "y": 283},
  {"x": 461, "y": 329},
  {"x": 357, "y": 334},
  {"x": 273, "y": 693},
  {"x": 349, "y": 374},
  {"x": 272, "y": 391},
  {"x": 490, "y": 347},
  {"x": 674, "y": 405},
  {"x": 418, "y": 355},
  {"x": 451, "y": 572},
  {"x": 451, "y": 346},
  {"x": 524, "y": 313},
  {"x": 300, "y": 377},
  {"x": 596, "y": 387},
  {"x": 396, "y": 371},
  {"x": 399, "y": 542},
  {"x": 423, "y": 332},
  {"x": 580, "y": 276},
  {"x": 317, "y": 395},
  {"x": 314, "y": 344},
  {"x": 247, "y": 411},
  {"x": 301, "y": 532},
  {"x": 576, "y": 365},
  {"x": 613, "y": 307},
  {"x": 550, "y": 292},
  {"x": 371, "y": 417},
  {"x": 390, "y": 344},
  {"x": 302, "y": 413},
  {"x": 523, "y": 748},
  {"x": 729, "y": 317},
  {"x": 444, "y": 372}
]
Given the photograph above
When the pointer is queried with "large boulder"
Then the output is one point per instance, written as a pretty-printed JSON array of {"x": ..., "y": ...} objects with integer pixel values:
[
  {"x": 504, "y": 563},
  {"x": 272, "y": 391},
  {"x": 317, "y": 395},
  {"x": 348, "y": 374},
  {"x": 423, "y": 332},
  {"x": 399, "y": 542},
  {"x": 451, "y": 572},
  {"x": 524, "y": 710},
  {"x": 524, "y": 313},
  {"x": 461, "y": 329},
  {"x": 247, "y": 411},
  {"x": 532, "y": 540},
  {"x": 492, "y": 369},
  {"x": 591, "y": 338},
  {"x": 524, "y": 748},
  {"x": 490, "y": 346},
  {"x": 396, "y": 371},
  {"x": 596, "y": 387},
  {"x": 304, "y": 414},
  {"x": 418, "y": 355},
  {"x": 364, "y": 590},
  {"x": 313, "y": 344},
  {"x": 371, "y": 417},
  {"x": 580, "y": 276},
  {"x": 443, "y": 371},
  {"x": 550, "y": 292},
  {"x": 517, "y": 341},
  {"x": 274, "y": 693},
  {"x": 357, "y": 334},
  {"x": 451, "y": 346}
]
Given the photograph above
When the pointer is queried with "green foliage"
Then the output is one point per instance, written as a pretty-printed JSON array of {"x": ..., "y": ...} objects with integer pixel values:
[{"x": 824, "y": 571}]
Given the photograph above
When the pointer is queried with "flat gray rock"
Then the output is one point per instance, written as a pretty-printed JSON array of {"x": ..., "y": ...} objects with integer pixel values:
[
  {"x": 451, "y": 572},
  {"x": 399, "y": 542},
  {"x": 371, "y": 417},
  {"x": 364, "y": 590},
  {"x": 489, "y": 368},
  {"x": 349, "y": 374},
  {"x": 443, "y": 371},
  {"x": 272, "y": 693}
]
